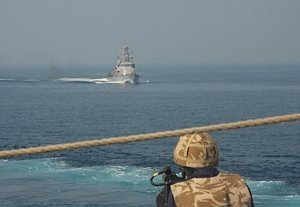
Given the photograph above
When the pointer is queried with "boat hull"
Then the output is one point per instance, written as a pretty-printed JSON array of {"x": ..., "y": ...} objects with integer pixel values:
[{"x": 125, "y": 78}]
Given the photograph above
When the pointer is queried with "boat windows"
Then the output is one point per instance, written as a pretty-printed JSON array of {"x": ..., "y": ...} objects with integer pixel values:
[{"x": 127, "y": 65}]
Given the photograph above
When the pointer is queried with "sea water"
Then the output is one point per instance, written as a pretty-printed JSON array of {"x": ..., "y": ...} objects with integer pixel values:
[{"x": 52, "y": 105}]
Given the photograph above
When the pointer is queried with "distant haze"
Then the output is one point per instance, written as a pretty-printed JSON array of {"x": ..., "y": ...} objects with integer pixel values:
[{"x": 34, "y": 32}]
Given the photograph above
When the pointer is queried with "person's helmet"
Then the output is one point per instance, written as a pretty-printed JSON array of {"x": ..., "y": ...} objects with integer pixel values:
[{"x": 196, "y": 151}]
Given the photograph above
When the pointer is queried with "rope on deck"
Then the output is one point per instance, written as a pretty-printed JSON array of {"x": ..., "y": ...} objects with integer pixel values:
[{"x": 150, "y": 136}]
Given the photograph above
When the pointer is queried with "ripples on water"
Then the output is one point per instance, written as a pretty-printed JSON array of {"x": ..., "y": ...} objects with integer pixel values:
[{"x": 41, "y": 107}]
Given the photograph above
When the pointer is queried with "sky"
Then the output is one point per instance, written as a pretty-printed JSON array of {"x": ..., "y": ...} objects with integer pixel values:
[{"x": 90, "y": 32}]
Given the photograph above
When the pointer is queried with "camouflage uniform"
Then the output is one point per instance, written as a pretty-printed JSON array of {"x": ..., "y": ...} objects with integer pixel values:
[
  {"x": 199, "y": 151},
  {"x": 221, "y": 190}
]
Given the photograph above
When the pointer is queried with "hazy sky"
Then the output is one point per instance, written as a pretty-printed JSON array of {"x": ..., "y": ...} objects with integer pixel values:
[{"x": 198, "y": 32}]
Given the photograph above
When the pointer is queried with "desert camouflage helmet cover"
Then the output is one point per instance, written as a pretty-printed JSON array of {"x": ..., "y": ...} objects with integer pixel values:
[{"x": 196, "y": 151}]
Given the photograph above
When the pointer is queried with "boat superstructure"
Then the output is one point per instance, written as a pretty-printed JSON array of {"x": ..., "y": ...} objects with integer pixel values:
[{"x": 125, "y": 69}]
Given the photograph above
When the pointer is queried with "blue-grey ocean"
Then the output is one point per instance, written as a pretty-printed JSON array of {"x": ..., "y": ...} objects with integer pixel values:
[{"x": 63, "y": 104}]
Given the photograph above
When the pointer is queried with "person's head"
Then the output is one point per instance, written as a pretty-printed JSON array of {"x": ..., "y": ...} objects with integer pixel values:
[{"x": 196, "y": 151}]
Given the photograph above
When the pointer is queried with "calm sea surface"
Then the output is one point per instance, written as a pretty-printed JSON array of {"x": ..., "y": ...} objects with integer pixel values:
[{"x": 43, "y": 106}]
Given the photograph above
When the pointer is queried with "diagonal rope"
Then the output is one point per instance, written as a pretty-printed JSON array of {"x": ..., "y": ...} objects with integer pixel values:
[{"x": 150, "y": 136}]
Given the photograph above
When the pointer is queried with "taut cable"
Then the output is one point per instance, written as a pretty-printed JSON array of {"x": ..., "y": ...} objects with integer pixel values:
[{"x": 150, "y": 136}]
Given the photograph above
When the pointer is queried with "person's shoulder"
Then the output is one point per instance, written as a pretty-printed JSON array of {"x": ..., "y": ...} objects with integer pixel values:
[{"x": 231, "y": 177}]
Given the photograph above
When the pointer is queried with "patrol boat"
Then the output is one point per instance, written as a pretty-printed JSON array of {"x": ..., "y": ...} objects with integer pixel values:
[{"x": 125, "y": 69}]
